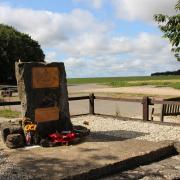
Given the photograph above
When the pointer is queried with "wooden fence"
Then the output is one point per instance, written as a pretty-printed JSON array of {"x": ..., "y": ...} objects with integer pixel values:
[{"x": 145, "y": 101}]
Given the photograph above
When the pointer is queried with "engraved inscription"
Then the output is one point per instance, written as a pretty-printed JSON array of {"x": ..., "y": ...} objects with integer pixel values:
[
  {"x": 46, "y": 114},
  {"x": 45, "y": 77}
]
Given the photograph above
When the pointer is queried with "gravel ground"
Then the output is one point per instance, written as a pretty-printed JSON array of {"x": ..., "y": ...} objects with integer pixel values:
[
  {"x": 106, "y": 126},
  {"x": 10, "y": 171},
  {"x": 130, "y": 129}
]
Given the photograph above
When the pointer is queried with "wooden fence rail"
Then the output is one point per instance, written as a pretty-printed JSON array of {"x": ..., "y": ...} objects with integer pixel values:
[
  {"x": 78, "y": 98},
  {"x": 118, "y": 99},
  {"x": 5, "y": 103},
  {"x": 145, "y": 101}
]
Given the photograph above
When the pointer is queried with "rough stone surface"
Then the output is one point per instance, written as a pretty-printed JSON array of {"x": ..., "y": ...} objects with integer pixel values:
[
  {"x": 105, "y": 145},
  {"x": 33, "y": 98},
  {"x": 177, "y": 146},
  {"x": 98, "y": 154},
  {"x": 11, "y": 171},
  {"x": 163, "y": 170}
]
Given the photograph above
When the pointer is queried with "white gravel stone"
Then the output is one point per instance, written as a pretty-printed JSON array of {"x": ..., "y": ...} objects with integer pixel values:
[
  {"x": 10, "y": 171},
  {"x": 130, "y": 129}
]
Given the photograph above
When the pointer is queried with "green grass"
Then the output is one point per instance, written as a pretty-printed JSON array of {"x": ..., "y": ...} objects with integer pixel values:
[
  {"x": 8, "y": 113},
  {"x": 160, "y": 81},
  {"x": 175, "y": 86}
]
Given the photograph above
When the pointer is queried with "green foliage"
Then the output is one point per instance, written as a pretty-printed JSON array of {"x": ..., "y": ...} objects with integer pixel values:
[
  {"x": 15, "y": 45},
  {"x": 118, "y": 83},
  {"x": 8, "y": 113},
  {"x": 175, "y": 85},
  {"x": 170, "y": 26},
  {"x": 105, "y": 80},
  {"x": 160, "y": 81}
]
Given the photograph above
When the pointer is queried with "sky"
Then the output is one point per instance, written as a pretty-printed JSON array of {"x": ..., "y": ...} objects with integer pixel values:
[{"x": 96, "y": 38}]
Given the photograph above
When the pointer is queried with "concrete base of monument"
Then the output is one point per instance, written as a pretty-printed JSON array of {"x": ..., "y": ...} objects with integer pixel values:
[
  {"x": 16, "y": 134},
  {"x": 95, "y": 157}
]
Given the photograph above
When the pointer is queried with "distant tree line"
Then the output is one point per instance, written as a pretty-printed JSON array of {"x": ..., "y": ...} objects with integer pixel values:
[
  {"x": 166, "y": 73},
  {"x": 15, "y": 46}
]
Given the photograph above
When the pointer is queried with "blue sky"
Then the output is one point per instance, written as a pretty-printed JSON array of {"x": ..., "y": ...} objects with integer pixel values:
[{"x": 96, "y": 37}]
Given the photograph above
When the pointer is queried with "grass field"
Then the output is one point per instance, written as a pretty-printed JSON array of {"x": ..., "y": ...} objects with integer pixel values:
[
  {"x": 159, "y": 81},
  {"x": 8, "y": 113}
]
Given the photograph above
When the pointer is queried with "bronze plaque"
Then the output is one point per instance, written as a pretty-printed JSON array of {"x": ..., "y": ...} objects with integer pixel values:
[
  {"x": 45, "y": 77},
  {"x": 46, "y": 114}
]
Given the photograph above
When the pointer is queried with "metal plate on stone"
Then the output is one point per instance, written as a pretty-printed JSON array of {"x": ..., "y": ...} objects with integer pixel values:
[
  {"x": 45, "y": 77},
  {"x": 46, "y": 114}
]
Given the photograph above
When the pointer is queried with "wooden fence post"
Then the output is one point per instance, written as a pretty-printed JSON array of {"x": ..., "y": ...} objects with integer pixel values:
[
  {"x": 145, "y": 103},
  {"x": 91, "y": 104}
]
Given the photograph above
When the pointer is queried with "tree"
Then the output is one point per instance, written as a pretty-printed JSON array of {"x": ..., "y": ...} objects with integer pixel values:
[
  {"x": 15, "y": 46},
  {"x": 170, "y": 26}
]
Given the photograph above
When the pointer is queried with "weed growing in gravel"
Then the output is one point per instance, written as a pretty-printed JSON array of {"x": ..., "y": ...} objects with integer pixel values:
[{"x": 8, "y": 113}]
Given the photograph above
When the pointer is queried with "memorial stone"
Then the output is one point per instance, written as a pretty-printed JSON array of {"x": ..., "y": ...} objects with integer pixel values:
[{"x": 43, "y": 93}]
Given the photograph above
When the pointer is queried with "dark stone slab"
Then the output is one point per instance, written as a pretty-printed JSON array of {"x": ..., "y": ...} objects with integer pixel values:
[{"x": 44, "y": 97}]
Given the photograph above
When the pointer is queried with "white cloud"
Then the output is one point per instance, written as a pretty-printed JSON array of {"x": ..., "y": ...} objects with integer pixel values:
[
  {"x": 143, "y": 9},
  {"x": 141, "y": 55},
  {"x": 51, "y": 28},
  {"x": 99, "y": 44},
  {"x": 50, "y": 56},
  {"x": 113, "y": 66},
  {"x": 97, "y": 4},
  {"x": 88, "y": 45}
]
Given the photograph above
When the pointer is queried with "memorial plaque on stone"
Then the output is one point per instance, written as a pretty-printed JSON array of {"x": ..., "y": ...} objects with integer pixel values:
[{"x": 43, "y": 93}]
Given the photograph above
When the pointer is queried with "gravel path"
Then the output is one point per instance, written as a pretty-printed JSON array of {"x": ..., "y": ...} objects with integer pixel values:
[
  {"x": 166, "y": 91},
  {"x": 10, "y": 171},
  {"x": 130, "y": 129}
]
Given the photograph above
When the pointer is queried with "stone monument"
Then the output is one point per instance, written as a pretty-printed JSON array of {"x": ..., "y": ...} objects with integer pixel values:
[{"x": 43, "y": 93}]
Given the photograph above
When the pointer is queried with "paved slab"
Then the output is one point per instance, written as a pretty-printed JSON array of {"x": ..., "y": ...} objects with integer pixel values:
[
  {"x": 163, "y": 170},
  {"x": 96, "y": 156}
]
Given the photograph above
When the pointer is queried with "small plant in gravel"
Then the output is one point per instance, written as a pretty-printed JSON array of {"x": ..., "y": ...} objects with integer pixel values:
[
  {"x": 117, "y": 113},
  {"x": 8, "y": 113}
]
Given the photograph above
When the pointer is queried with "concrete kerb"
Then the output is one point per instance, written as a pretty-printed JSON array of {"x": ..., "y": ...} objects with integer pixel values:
[
  {"x": 177, "y": 147},
  {"x": 129, "y": 163}
]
